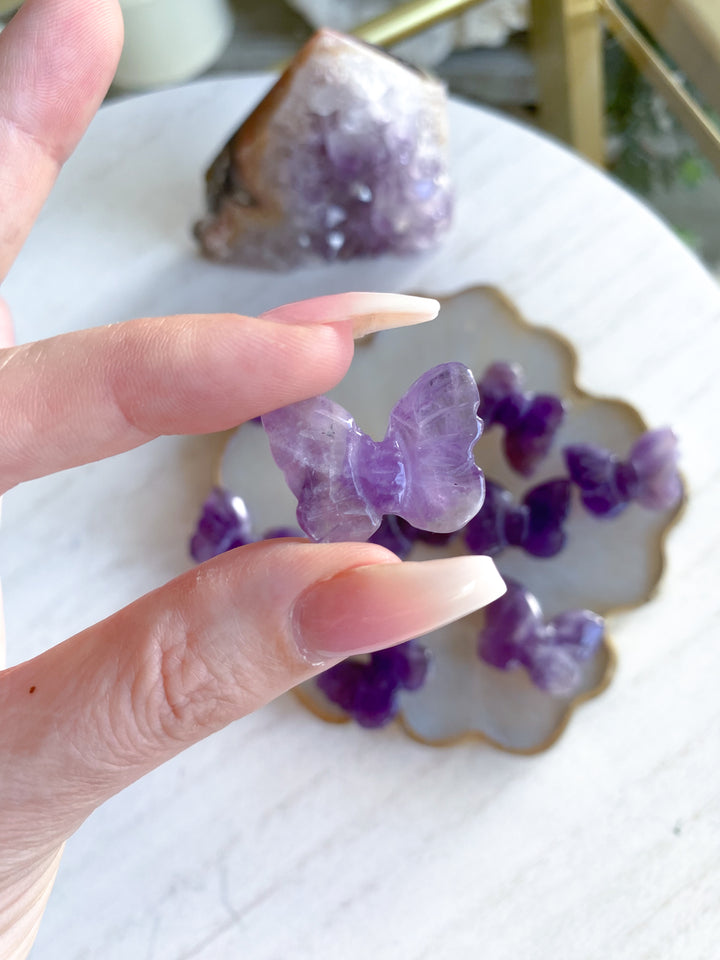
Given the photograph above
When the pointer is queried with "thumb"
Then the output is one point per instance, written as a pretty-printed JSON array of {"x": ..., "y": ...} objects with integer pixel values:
[
  {"x": 93, "y": 714},
  {"x": 7, "y": 338}
]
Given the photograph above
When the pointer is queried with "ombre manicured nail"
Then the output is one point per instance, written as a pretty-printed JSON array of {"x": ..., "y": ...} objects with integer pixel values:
[
  {"x": 369, "y": 312},
  {"x": 370, "y": 607}
]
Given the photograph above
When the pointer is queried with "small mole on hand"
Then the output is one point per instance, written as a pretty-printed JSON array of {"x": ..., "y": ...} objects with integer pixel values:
[{"x": 32, "y": 689}]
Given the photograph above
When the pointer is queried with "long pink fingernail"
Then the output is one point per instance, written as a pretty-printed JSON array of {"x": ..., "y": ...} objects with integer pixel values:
[
  {"x": 369, "y": 312},
  {"x": 370, "y": 607}
]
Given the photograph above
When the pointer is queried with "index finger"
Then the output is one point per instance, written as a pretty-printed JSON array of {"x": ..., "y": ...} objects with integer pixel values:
[
  {"x": 57, "y": 59},
  {"x": 90, "y": 394}
]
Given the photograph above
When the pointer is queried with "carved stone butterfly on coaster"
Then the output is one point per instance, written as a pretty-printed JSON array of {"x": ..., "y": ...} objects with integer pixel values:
[{"x": 513, "y": 674}]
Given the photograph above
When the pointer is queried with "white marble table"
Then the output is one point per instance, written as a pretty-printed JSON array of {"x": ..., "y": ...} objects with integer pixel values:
[{"x": 284, "y": 838}]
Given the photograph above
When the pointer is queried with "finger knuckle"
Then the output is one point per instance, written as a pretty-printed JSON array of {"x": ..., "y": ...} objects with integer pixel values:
[{"x": 182, "y": 692}]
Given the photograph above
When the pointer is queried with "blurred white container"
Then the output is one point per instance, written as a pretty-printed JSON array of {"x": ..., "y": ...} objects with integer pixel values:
[
  {"x": 169, "y": 41},
  {"x": 7, "y": 7}
]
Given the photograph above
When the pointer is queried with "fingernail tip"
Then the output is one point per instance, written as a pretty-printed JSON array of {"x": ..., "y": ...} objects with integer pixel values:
[
  {"x": 405, "y": 311},
  {"x": 431, "y": 594}
]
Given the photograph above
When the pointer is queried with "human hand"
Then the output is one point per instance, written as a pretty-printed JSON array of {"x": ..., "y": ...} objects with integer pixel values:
[{"x": 94, "y": 713}]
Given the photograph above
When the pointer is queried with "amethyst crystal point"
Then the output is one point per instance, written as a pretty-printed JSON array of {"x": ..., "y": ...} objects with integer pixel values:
[
  {"x": 536, "y": 524},
  {"x": 345, "y": 157},
  {"x": 223, "y": 525},
  {"x": 608, "y": 484},
  {"x": 423, "y": 470},
  {"x": 516, "y": 635},
  {"x": 368, "y": 691},
  {"x": 530, "y": 420}
]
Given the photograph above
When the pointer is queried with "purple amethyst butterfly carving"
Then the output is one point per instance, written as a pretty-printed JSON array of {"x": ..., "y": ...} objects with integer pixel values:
[
  {"x": 224, "y": 524},
  {"x": 423, "y": 470},
  {"x": 536, "y": 524},
  {"x": 398, "y": 535},
  {"x": 553, "y": 652},
  {"x": 368, "y": 691},
  {"x": 608, "y": 484},
  {"x": 530, "y": 420}
]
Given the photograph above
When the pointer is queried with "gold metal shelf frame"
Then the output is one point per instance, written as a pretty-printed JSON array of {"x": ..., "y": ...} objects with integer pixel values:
[{"x": 567, "y": 42}]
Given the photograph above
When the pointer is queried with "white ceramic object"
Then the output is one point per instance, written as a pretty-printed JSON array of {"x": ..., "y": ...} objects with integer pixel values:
[
  {"x": 7, "y": 7},
  {"x": 169, "y": 41}
]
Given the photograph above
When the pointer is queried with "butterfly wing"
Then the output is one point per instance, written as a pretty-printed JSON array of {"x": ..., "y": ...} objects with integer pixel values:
[
  {"x": 223, "y": 525},
  {"x": 593, "y": 470},
  {"x": 548, "y": 506},
  {"x": 654, "y": 458},
  {"x": 485, "y": 532},
  {"x": 317, "y": 445},
  {"x": 435, "y": 426},
  {"x": 571, "y": 638},
  {"x": 580, "y": 632},
  {"x": 513, "y": 627},
  {"x": 529, "y": 441}
]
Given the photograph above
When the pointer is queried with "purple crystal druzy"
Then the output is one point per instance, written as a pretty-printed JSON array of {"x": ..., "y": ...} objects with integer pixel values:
[
  {"x": 423, "y": 470},
  {"x": 223, "y": 525},
  {"x": 648, "y": 476},
  {"x": 345, "y": 157},
  {"x": 368, "y": 690},
  {"x": 553, "y": 652},
  {"x": 536, "y": 525},
  {"x": 530, "y": 420}
]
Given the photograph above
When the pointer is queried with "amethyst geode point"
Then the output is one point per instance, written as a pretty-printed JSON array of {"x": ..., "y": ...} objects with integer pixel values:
[{"x": 345, "y": 157}]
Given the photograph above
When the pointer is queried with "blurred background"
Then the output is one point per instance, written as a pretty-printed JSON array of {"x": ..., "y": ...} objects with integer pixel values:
[{"x": 632, "y": 84}]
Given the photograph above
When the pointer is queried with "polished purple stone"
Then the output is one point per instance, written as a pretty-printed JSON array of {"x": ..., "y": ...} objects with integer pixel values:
[
  {"x": 536, "y": 524},
  {"x": 368, "y": 690},
  {"x": 649, "y": 476},
  {"x": 516, "y": 635},
  {"x": 594, "y": 470},
  {"x": 531, "y": 421},
  {"x": 223, "y": 525},
  {"x": 391, "y": 534},
  {"x": 530, "y": 440},
  {"x": 408, "y": 662},
  {"x": 417, "y": 535},
  {"x": 399, "y": 536},
  {"x": 423, "y": 470},
  {"x": 345, "y": 157},
  {"x": 654, "y": 458},
  {"x": 279, "y": 533},
  {"x": 499, "y": 382}
]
